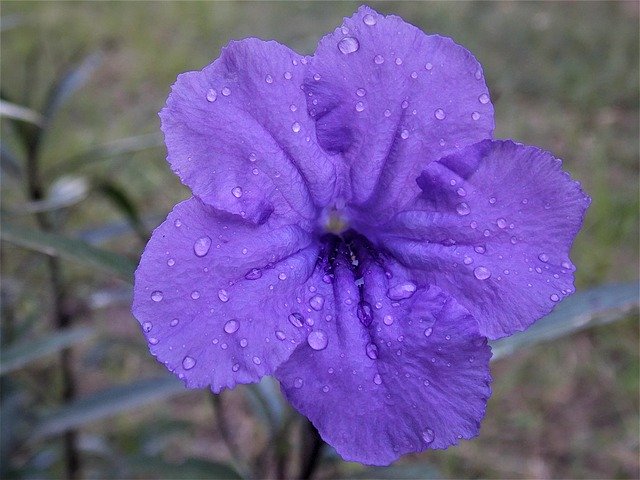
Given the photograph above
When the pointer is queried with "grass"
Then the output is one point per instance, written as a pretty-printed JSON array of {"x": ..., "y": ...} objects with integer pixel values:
[{"x": 563, "y": 76}]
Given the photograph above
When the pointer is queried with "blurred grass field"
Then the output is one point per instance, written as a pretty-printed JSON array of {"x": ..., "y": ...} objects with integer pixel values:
[{"x": 563, "y": 76}]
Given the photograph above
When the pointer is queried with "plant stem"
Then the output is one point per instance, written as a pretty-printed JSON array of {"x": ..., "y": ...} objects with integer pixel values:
[
  {"x": 312, "y": 447},
  {"x": 35, "y": 190}
]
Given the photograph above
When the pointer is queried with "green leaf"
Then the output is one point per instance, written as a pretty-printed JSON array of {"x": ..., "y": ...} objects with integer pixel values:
[
  {"x": 119, "y": 197},
  {"x": 68, "y": 248},
  {"x": 598, "y": 306},
  {"x": 192, "y": 468},
  {"x": 106, "y": 403},
  {"x": 18, "y": 112},
  {"x": 22, "y": 353}
]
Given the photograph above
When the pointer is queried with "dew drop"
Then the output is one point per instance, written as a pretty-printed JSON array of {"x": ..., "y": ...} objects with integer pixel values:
[
  {"x": 201, "y": 246},
  {"x": 348, "y": 45},
  {"x": 211, "y": 95},
  {"x": 195, "y": 295},
  {"x": 387, "y": 320},
  {"x": 282, "y": 276},
  {"x": 566, "y": 265},
  {"x": 359, "y": 107},
  {"x": 298, "y": 382},
  {"x": 177, "y": 223},
  {"x": 467, "y": 260},
  {"x": 439, "y": 114},
  {"x": 378, "y": 59},
  {"x": 372, "y": 351},
  {"x": 463, "y": 209},
  {"x": 295, "y": 127},
  {"x": 223, "y": 295},
  {"x": 428, "y": 436},
  {"x": 461, "y": 192},
  {"x": 401, "y": 291},
  {"x": 153, "y": 340},
  {"x": 188, "y": 363},
  {"x": 543, "y": 257},
  {"x": 325, "y": 389},
  {"x": 369, "y": 19},
  {"x": 156, "y": 296},
  {"x": 404, "y": 134},
  {"x": 231, "y": 326},
  {"x": 147, "y": 326},
  {"x": 483, "y": 99},
  {"x": 296, "y": 319},
  {"x": 481, "y": 273},
  {"x": 236, "y": 192},
  {"x": 171, "y": 262},
  {"x": 502, "y": 223},
  {"x": 244, "y": 342},
  {"x": 513, "y": 240},
  {"x": 317, "y": 340},
  {"x": 555, "y": 297},
  {"x": 475, "y": 116},
  {"x": 226, "y": 91},
  {"x": 479, "y": 249},
  {"x": 361, "y": 92},
  {"x": 377, "y": 379},
  {"x": 253, "y": 274},
  {"x": 492, "y": 200},
  {"x": 364, "y": 313},
  {"x": 256, "y": 360},
  {"x": 317, "y": 302},
  {"x": 387, "y": 113},
  {"x": 287, "y": 75},
  {"x": 174, "y": 322},
  {"x": 398, "y": 61},
  {"x": 428, "y": 66},
  {"x": 280, "y": 335},
  {"x": 414, "y": 75},
  {"x": 236, "y": 367}
]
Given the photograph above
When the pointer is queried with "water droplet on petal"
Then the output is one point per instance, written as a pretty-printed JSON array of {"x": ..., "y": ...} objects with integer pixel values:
[
  {"x": 364, "y": 313},
  {"x": 401, "y": 291},
  {"x": 398, "y": 61},
  {"x": 156, "y": 296},
  {"x": 439, "y": 114},
  {"x": 481, "y": 273},
  {"x": 377, "y": 379},
  {"x": 298, "y": 382},
  {"x": 348, "y": 45},
  {"x": 484, "y": 99},
  {"x": 153, "y": 340},
  {"x": 237, "y": 192},
  {"x": 428, "y": 332},
  {"x": 372, "y": 351},
  {"x": 387, "y": 113},
  {"x": 479, "y": 249},
  {"x": 236, "y": 367},
  {"x": 256, "y": 360},
  {"x": 223, "y": 295},
  {"x": 361, "y": 92},
  {"x": 463, "y": 209},
  {"x": 244, "y": 342},
  {"x": 543, "y": 257},
  {"x": 555, "y": 297},
  {"x": 147, "y": 326},
  {"x": 369, "y": 19},
  {"x": 268, "y": 79},
  {"x": 212, "y": 95},
  {"x": 174, "y": 322},
  {"x": 282, "y": 276},
  {"x": 317, "y": 302},
  {"x": 359, "y": 107},
  {"x": 201, "y": 246},
  {"x": 428, "y": 436},
  {"x": 231, "y": 326},
  {"x": 387, "y": 320},
  {"x": 280, "y": 335},
  {"x": 566, "y": 265},
  {"x": 226, "y": 91},
  {"x": 171, "y": 262},
  {"x": 414, "y": 75},
  {"x": 502, "y": 223},
  {"x": 467, "y": 260},
  {"x": 195, "y": 295},
  {"x": 404, "y": 134},
  {"x": 188, "y": 363},
  {"x": 378, "y": 59},
  {"x": 253, "y": 274},
  {"x": 475, "y": 116},
  {"x": 317, "y": 340},
  {"x": 295, "y": 127},
  {"x": 296, "y": 319}
]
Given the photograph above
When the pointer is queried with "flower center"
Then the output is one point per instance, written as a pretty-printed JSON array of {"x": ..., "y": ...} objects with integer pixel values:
[{"x": 334, "y": 220}]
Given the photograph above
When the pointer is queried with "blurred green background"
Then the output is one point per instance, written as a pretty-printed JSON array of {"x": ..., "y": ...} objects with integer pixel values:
[{"x": 563, "y": 76}]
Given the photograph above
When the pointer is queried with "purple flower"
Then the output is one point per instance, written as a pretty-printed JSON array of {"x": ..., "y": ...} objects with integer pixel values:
[{"x": 354, "y": 231}]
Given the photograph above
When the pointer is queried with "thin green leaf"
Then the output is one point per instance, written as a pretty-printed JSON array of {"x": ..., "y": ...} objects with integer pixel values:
[
  {"x": 193, "y": 468},
  {"x": 18, "y": 112},
  {"x": 600, "y": 305},
  {"x": 68, "y": 248},
  {"x": 19, "y": 354},
  {"x": 9, "y": 162},
  {"x": 119, "y": 197},
  {"x": 107, "y": 403},
  {"x": 71, "y": 81},
  {"x": 117, "y": 148}
]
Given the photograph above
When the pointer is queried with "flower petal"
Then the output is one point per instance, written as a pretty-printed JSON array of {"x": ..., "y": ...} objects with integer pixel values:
[
  {"x": 391, "y": 99},
  {"x": 215, "y": 295},
  {"x": 415, "y": 377},
  {"x": 493, "y": 228},
  {"x": 238, "y": 134}
]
